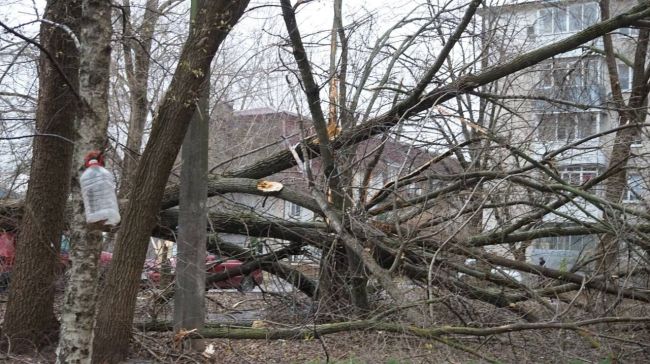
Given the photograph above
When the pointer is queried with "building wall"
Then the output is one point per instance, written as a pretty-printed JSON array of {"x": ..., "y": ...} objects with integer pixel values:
[{"x": 538, "y": 127}]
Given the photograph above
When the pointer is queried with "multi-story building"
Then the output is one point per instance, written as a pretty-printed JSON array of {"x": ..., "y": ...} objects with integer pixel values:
[{"x": 559, "y": 102}]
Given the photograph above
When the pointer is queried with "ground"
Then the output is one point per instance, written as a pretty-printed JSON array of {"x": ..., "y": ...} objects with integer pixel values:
[{"x": 279, "y": 308}]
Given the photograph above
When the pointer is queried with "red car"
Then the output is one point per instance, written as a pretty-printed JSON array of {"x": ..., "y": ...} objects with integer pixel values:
[
  {"x": 8, "y": 253},
  {"x": 151, "y": 273}
]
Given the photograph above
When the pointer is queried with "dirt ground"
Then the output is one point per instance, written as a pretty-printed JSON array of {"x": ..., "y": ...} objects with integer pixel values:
[{"x": 619, "y": 344}]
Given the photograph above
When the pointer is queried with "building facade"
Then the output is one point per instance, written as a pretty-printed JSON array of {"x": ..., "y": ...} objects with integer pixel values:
[{"x": 564, "y": 106}]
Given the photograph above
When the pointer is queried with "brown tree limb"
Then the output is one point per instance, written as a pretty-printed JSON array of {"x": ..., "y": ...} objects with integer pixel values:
[
  {"x": 306, "y": 332},
  {"x": 220, "y": 185}
]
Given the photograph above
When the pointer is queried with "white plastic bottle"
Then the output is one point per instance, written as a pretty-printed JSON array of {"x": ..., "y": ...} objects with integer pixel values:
[{"x": 98, "y": 191}]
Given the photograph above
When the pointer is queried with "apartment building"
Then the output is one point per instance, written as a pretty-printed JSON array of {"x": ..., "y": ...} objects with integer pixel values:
[{"x": 559, "y": 102}]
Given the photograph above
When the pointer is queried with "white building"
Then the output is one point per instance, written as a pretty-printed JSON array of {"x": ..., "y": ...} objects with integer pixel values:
[{"x": 579, "y": 83}]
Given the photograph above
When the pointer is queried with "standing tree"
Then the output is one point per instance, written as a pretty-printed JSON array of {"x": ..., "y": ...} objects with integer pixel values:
[
  {"x": 396, "y": 230},
  {"x": 632, "y": 111},
  {"x": 137, "y": 44},
  {"x": 78, "y": 317},
  {"x": 37, "y": 252},
  {"x": 213, "y": 22},
  {"x": 189, "y": 304}
]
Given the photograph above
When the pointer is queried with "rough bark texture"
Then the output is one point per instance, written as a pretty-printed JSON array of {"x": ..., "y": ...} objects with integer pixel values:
[
  {"x": 334, "y": 265},
  {"x": 77, "y": 319},
  {"x": 115, "y": 315},
  {"x": 634, "y": 111},
  {"x": 137, "y": 60},
  {"x": 37, "y": 251},
  {"x": 218, "y": 185},
  {"x": 189, "y": 302},
  {"x": 309, "y": 332}
]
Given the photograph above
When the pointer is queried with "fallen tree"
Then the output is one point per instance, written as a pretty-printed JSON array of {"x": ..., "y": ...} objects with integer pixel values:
[{"x": 306, "y": 332}]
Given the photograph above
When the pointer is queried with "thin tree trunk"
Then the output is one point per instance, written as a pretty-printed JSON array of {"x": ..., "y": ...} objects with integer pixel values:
[
  {"x": 29, "y": 317},
  {"x": 137, "y": 55},
  {"x": 633, "y": 112},
  {"x": 189, "y": 302},
  {"x": 115, "y": 315},
  {"x": 77, "y": 319}
]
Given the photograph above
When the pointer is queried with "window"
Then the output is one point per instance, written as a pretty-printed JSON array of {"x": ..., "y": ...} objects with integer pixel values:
[
  {"x": 257, "y": 246},
  {"x": 392, "y": 171},
  {"x": 294, "y": 210},
  {"x": 571, "y": 242},
  {"x": 376, "y": 181},
  {"x": 635, "y": 190},
  {"x": 629, "y": 32},
  {"x": 578, "y": 175},
  {"x": 638, "y": 140},
  {"x": 573, "y": 80},
  {"x": 562, "y": 19},
  {"x": 413, "y": 191},
  {"x": 545, "y": 21},
  {"x": 567, "y": 126},
  {"x": 434, "y": 184},
  {"x": 570, "y": 73},
  {"x": 625, "y": 77}
]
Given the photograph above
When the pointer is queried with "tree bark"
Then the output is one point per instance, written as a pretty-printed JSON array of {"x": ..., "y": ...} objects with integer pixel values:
[
  {"x": 219, "y": 186},
  {"x": 189, "y": 301},
  {"x": 307, "y": 332},
  {"x": 137, "y": 55},
  {"x": 37, "y": 248},
  {"x": 634, "y": 112},
  {"x": 214, "y": 20},
  {"x": 77, "y": 318},
  {"x": 342, "y": 279}
]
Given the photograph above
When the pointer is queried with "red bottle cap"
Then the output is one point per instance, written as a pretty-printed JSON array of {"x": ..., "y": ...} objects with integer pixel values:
[{"x": 94, "y": 158}]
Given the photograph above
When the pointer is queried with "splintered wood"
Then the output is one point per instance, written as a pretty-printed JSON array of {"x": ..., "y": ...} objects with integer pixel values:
[{"x": 269, "y": 186}]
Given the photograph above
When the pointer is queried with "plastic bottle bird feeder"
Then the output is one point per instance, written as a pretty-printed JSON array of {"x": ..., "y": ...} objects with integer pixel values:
[{"x": 98, "y": 191}]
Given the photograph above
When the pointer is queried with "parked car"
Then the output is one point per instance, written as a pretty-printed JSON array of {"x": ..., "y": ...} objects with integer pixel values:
[
  {"x": 8, "y": 253},
  {"x": 151, "y": 273},
  {"x": 151, "y": 270}
]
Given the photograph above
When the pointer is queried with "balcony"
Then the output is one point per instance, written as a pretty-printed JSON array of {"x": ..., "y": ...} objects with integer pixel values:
[
  {"x": 578, "y": 209},
  {"x": 595, "y": 95}
]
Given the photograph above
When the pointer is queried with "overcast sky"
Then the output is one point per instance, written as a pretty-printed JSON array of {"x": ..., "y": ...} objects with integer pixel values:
[{"x": 315, "y": 20}]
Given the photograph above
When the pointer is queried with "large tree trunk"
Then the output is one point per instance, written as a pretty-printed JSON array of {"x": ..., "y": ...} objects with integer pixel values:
[
  {"x": 29, "y": 317},
  {"x": 77, "y": 319},
  {"x": 214, "y": 20},
  {"x": 342, "y": 280}
]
